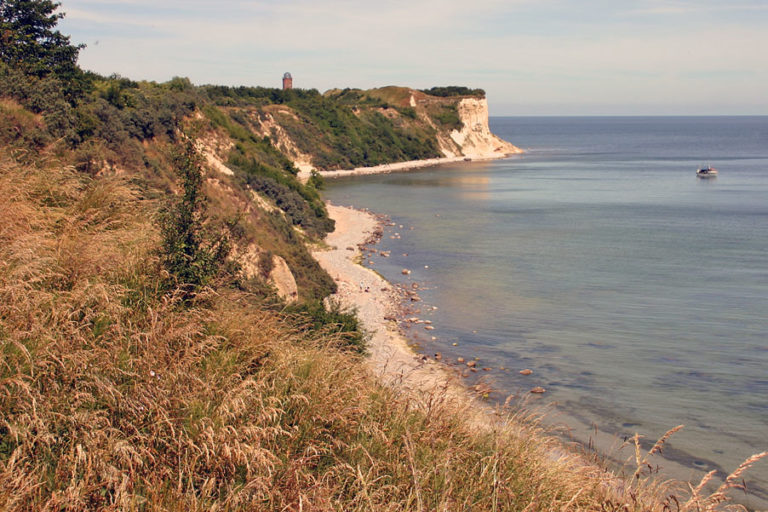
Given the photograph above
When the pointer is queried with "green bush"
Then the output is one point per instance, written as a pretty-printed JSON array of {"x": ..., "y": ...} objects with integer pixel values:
[
  {"x": 32, "y": 45},
  {"x": 191, "y": 257},
  {"x": 448, "y": 116},
  {"x": 334, "y": 320},
  {"x": 408, "y": 112},
  {"x": 299, "y": 211}
]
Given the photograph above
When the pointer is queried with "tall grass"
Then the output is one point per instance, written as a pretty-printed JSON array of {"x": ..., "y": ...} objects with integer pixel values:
[{"x": 116, "y": 395}]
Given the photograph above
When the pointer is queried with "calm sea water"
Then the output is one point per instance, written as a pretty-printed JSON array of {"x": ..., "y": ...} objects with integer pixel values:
[{"x": 637, "y": 293}]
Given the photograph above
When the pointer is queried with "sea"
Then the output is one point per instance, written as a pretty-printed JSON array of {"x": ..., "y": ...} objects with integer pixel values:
[{"x": 636, "y": 292}]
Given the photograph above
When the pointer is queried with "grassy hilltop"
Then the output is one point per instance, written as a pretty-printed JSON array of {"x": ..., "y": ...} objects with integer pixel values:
[{"x": 146, "y": 360}]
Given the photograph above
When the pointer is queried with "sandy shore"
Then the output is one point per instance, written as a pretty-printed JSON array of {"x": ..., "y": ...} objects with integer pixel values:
[
  {"x": 402, "y": 166},
  {"x": 377, "y": 303}
]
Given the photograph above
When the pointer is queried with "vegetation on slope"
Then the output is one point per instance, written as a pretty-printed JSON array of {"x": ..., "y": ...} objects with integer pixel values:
[
  {"x": 341, "y": 129},
  {"x": 113, "y": 125}
]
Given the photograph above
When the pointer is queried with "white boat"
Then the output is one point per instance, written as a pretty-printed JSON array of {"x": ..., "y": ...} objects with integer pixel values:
[{"x": 706, "y": 172}]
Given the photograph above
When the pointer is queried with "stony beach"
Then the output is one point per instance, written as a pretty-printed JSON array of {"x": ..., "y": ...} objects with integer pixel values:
[{"x": 379, "y": 305}]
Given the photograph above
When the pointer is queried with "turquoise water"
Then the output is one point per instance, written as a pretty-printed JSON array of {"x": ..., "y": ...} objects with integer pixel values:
[{"x": 637, "y": 293}]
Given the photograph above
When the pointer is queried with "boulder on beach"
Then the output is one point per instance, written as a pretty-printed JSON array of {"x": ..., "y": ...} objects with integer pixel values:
[
  {"x": 538, "y": 390},
  {"x": 526, "y": 372}
]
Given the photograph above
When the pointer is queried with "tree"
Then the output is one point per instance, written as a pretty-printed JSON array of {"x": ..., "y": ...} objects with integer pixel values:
[
  {"x": 30, "y": 43},
  {"x": 189, "y": 256}
]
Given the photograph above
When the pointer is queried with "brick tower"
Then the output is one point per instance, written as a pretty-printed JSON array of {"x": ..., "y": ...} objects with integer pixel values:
[{"x": 287, "y": 81}]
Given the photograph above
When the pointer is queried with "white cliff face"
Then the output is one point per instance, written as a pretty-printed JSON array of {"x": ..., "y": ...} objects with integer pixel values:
[
  {"x": 475, "y": 139},
  {"x": 282, "y": 279}
]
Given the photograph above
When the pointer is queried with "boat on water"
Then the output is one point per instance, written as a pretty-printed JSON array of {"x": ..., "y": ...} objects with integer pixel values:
[{"x": 706, "y": 172}]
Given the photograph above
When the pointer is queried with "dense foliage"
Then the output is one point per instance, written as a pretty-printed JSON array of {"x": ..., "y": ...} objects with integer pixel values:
[
  {"x": 335, "y": 320},
  {"x": 30, "y": 43},
  {"x": 454, "y": 90},
  {"x": 225, "y": 96}
]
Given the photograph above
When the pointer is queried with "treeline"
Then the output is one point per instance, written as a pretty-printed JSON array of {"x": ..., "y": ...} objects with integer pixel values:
[
  {"x": 454, "y": 90},
  {"x": 225, "y": 96}
]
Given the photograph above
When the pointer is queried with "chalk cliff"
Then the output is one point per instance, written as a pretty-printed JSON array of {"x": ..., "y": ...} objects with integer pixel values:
[{"x": 474, "y": 139}]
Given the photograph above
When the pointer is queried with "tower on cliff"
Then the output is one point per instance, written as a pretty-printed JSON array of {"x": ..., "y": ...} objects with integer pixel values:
[{"x": 287, "y": 81}]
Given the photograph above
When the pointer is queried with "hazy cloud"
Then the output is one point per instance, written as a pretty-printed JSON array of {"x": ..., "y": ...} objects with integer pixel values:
[{"x": 531, "y": 56}]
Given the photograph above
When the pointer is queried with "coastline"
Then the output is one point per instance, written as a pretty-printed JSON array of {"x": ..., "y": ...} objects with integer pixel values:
[
  {"x": 377, "y": 303},
  {"x": 409, "y": 165}
]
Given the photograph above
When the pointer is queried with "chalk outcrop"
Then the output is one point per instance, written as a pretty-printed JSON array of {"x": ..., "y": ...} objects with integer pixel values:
[
  {"x": 278, "y": 273},
  {"x": 475, "y": 139},
  {"x": 282, "y": 279}
]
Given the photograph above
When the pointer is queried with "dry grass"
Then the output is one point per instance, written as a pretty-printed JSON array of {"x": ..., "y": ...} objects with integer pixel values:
[{"x": 116, "y": 396}]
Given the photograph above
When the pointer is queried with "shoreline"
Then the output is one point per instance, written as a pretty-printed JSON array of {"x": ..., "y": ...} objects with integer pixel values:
[
  {"x": 379, "y": 306},
  {"x": 405, "y": 166}
]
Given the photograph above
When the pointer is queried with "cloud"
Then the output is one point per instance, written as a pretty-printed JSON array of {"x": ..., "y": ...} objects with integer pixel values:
[
  {"x": 546, "y": 51},
  {"x": 682, "y": 7}
]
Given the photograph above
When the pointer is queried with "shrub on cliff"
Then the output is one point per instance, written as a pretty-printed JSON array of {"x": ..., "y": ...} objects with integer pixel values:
[
  {"x": 448, "y": 117},
  {"x": 191, "y": 258},
  {"x": 332, "y": 318}
]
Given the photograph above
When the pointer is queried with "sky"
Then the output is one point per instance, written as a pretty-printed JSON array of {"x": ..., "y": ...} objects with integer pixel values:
[{"x": 533, "y": 57}]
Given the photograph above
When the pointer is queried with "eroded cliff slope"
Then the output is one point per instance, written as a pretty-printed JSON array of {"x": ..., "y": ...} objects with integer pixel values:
[{"x": 351, "y": 128}]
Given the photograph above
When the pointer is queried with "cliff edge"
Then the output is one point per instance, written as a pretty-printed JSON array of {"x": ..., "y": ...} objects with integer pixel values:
[{"x": 475, "y": 138}]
